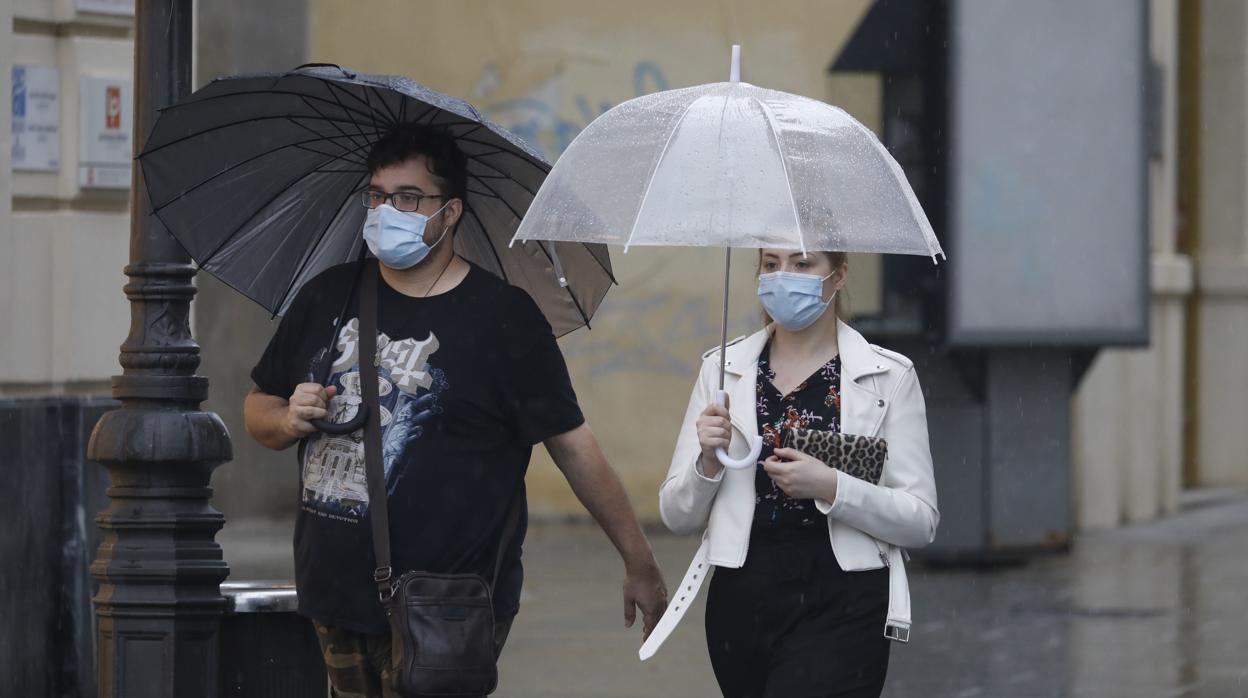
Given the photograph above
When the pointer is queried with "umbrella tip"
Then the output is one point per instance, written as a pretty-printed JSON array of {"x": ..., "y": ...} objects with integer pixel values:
[{"x": 734, "y": 72}]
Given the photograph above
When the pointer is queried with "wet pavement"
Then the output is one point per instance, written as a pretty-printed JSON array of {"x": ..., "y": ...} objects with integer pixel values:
[{"x": 1152, "y": 610}]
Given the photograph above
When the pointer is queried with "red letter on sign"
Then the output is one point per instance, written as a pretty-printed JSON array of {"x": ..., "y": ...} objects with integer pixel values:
[{"x": 112, "y": 107}]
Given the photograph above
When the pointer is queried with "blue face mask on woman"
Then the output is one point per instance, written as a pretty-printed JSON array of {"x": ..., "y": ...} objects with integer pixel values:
[
  {"x": 794, "y": 301},
  {"x": 397, "y": 238}
]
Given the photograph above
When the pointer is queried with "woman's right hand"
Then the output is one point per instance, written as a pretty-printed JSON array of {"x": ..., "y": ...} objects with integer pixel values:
[{"x": 714, "y": 431}]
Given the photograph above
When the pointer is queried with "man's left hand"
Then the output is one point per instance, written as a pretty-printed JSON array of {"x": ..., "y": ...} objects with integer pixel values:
[
  {"x": 644, "y": 589},
  {"x": 801, "y": 476}
]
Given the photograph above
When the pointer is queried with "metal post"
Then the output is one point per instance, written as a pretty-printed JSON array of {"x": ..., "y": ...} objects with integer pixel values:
[{"x": 159, "y": 569}]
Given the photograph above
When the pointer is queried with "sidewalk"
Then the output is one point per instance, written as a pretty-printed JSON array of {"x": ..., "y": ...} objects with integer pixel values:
[{"x": 1153, "y": 610}]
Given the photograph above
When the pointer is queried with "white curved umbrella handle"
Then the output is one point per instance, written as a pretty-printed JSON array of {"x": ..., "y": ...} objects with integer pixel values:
[{"x": 756, "y": 447}]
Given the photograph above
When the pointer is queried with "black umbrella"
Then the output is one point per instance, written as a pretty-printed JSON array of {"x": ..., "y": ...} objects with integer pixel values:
[{"x": 257, "y": 176}]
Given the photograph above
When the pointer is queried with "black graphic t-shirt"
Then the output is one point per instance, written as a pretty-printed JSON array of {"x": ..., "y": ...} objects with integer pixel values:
[
  {"x": 469, "y": 381},
  {"x": 815, "y": 404}
]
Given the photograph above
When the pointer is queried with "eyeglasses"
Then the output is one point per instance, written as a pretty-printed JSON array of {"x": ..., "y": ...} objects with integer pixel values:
[{"x": 406, "y": 201}]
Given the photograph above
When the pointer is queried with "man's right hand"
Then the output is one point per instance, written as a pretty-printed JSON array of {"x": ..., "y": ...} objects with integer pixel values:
[
  {"x": 714, "y": 431},
  {"x": 309, "y": 401}
]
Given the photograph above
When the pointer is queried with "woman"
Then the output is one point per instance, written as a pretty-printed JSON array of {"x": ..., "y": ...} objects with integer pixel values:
[{"x": 809, "y": 584}]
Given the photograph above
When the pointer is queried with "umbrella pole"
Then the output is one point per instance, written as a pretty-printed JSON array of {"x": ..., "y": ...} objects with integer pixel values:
[
  {"x": 734, "y": 75},
  {"x": 723, "y": 327}
]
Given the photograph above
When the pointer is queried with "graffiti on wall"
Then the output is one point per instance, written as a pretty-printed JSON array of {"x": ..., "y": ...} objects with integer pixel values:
[{"x": 536, "y": 116}]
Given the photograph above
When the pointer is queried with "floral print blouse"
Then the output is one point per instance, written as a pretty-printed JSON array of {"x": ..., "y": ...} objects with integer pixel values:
[{"x": 814, "y": 404}]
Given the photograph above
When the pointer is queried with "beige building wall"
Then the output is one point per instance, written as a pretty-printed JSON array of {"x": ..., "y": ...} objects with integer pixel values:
[
  {"x": 1128, "y": 411},
  {"x": 231, "y": 37},
  {"x": 1222, "y": 247},
  {"x": 547, "y": 68},
  {"x": 62, "y": 248}
]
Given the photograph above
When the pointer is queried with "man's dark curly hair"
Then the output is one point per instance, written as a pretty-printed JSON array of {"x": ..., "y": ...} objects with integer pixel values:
[{"x": 446, "y": 161}]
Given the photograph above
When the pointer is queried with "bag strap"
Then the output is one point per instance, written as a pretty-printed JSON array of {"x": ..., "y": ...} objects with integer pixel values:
[
  {"x": 379, "y": 518},
  {"x": 378, "y": 515}
]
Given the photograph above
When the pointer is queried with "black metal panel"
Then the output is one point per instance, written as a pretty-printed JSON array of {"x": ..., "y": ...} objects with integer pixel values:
[
  {"x": 889, "y": 39},
  {"x": 46, "y": 542},
  {"x": 29, "y": 541},
  {"x": 999, "y": 429},
  {"x": 905, "y": 42},
  {"x": 270, "y": 655}
]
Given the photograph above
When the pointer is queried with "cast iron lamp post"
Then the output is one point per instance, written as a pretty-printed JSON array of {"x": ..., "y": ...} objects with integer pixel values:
[{"x": 159, "y": 568}]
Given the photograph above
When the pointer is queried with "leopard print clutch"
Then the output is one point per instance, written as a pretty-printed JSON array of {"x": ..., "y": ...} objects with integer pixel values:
[{"x": 860, "y": 456}]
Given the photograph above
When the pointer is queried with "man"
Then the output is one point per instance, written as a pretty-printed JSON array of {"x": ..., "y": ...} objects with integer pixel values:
[{"x": 470, "y": 379}]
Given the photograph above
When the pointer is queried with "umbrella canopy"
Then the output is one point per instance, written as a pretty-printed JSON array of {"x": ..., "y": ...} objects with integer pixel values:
[
  {"x": 730, "y": 164},
  {"x": 257, "y": 176}
]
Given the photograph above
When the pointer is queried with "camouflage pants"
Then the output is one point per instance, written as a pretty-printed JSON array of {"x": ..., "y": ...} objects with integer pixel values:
[{"x": 359, "y": 663}]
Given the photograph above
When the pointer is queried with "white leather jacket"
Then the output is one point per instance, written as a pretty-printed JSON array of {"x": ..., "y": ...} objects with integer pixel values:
[{"x": 868, "y": 524}]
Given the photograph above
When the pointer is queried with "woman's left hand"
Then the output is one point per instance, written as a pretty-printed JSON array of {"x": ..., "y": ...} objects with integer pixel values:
[{"x": 801, "y": 476}]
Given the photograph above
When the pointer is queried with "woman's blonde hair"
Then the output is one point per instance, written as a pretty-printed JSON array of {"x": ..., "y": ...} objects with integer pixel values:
[{"x": 837, "y": 259}]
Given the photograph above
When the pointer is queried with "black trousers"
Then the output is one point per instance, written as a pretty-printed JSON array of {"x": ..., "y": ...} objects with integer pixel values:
[{"x": 791, "y": 623}]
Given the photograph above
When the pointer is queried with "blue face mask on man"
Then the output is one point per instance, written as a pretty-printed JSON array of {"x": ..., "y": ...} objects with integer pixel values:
[
  {"x": 397, "y": 238},
  {"x": 794, "y": 301}
]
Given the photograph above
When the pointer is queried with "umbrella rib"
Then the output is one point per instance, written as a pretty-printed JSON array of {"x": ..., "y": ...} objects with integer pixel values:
[
  {"x": 242, "y": 122},
  {"x": 333, "y": 85},
  {"x": 489, "y": 243},
  {"x": 332, "y": 139},
  {"x": 362, "y": 164},
  {"x": 657, "y": 163},
  {"x": 517, "y": 214},
  {"x": 567, "y": 288},
  {"x": 241, "y": 163},
  {"x": 504, "y": 151},
  {"x": 496, "y": 150},
  {"x": 281, "y": 190},
  {"x": 501, "y": 198},
  {"x": 335, "y": 124},
  {"x": 330, "y": 88},
  {"x": 381, "y": 98},
  {"x": 351, "y": 158},
  {"x": 473, "y": 128},
  {"x": 266, "y": 93},
  {"x": 313, "y": 131},
  {"x": 788, "y": 184},
  {"x": 610, "y": 274},
  {"x": 929, "y": 235},
  {"x": 319, "y": 238},
  {"x": 501, "y": 175}
]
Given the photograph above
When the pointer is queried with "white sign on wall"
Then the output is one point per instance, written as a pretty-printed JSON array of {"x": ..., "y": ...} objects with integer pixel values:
[
  {"x": 36, "y": 120},
  {"x": 105, "y": 109},
  {"x": 109, "y": 7}
]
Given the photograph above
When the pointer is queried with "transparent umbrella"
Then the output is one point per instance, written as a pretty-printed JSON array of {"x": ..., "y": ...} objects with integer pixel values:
[{"x": 730, "y": 165}]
